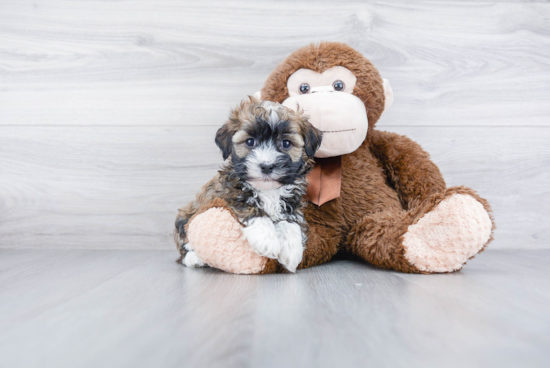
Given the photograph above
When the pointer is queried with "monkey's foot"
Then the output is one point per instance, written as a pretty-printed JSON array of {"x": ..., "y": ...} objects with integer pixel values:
[{"x": 447, "y": 236}]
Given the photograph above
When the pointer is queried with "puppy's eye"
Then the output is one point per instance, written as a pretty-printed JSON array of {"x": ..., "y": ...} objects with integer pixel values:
[
  {"x": 250, "y": 142},
  {"x": 304, "y": 88},
  {"x": 286, "y": 144},
  {"x": 338, "y": 85}
]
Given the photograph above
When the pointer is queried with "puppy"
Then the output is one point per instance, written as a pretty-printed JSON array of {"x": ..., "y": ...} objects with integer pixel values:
[{"x": 268, "y": 150}]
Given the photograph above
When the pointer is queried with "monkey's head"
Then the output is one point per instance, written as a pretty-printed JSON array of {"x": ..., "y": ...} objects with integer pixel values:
[{"x": 337, "y": 87}]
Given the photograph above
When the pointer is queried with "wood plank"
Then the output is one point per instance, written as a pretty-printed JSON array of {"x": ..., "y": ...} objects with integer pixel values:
[
  {"x": 185, "y": 63},
  {"x": 141, "y": 309},
  {"x": 119, "y": 187},
  {"x": 100, "y": 186}
]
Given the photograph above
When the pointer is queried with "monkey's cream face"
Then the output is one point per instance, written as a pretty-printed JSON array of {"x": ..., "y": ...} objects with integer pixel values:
[
  {"x": 332, "y": 108},
  {"x": 269, "y": 144}
]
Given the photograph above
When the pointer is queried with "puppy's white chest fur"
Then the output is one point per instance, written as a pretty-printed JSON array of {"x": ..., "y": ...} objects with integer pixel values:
[
  {"x": 273, "y": 236},
  {"x": 272, "y": 201}
]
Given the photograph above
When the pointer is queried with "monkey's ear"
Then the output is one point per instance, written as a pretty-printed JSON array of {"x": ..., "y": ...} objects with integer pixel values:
[
  {"x": 312, "y": 139},
  {"x": 224, "y": 138}
]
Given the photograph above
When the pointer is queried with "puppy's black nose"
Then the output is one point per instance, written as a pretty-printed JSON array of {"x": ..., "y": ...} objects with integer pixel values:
[{"x": 267, "y": 168}]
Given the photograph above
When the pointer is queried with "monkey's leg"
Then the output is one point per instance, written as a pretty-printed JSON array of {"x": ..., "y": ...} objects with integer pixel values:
[
  {"x": 437, "y": 235},
  {"x": 322, "y": 245}
]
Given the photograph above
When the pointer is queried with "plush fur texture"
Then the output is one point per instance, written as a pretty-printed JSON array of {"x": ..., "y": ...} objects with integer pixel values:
[{"x": 394, "y": 209}]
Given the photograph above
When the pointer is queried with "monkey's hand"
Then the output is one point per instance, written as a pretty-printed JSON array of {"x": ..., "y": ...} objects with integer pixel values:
[{"x": 218, "y": 241}]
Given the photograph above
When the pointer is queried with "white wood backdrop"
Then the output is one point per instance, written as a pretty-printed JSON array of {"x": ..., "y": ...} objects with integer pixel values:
[{"x": 108, "y": 109}]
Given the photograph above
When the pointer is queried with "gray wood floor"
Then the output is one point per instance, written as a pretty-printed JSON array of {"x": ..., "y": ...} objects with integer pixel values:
[{"x": 86, "y": 308}]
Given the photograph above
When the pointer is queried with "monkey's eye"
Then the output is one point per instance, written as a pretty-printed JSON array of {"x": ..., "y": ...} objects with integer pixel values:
[
  {"x": 250, "y": 142},
  {"x": 304, "y": 88},
  {"x": 338, "y": 85},
  {"x": 286, "y": 144}
]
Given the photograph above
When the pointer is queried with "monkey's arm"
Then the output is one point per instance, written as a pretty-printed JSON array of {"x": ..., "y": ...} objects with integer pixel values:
[{"x": 408, "y": 167}]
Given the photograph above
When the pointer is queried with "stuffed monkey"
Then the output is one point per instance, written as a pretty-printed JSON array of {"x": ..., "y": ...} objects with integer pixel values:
[{"x": 372, "y": 194}]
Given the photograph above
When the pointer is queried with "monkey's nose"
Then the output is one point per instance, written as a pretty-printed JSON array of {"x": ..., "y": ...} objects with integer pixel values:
[{"x": 267, "y": 168}]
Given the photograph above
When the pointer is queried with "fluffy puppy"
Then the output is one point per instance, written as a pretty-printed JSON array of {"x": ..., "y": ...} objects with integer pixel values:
[{"x": 268, "y": 150}]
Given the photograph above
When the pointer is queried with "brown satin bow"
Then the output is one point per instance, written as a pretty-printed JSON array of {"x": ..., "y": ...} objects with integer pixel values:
[{"x": 325, "y": 180}]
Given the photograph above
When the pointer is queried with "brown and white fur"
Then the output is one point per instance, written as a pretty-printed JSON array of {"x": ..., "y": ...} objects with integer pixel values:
[{"x": 268, "y": 150}]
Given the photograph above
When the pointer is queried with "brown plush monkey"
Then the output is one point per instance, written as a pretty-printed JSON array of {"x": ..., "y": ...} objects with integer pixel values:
[{"x": 373, "y": 194}]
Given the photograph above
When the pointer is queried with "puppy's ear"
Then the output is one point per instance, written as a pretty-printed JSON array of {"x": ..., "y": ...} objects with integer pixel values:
[
  {"x": 224, "y": 138},
  {"x": 312, "y": 139}
]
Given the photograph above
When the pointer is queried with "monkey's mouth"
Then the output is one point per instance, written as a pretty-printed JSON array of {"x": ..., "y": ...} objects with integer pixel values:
[{"x": 338, "y": 131}]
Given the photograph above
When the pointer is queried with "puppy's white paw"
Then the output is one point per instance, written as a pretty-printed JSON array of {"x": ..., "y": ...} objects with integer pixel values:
[
  {"x": 262, "y": 237},
  {"x": 292, "y": 250},
  {"x": 192, "y": 260}
]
